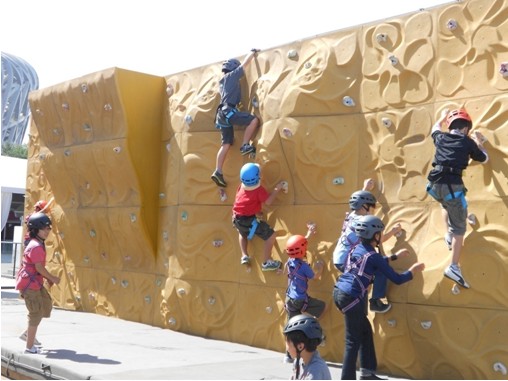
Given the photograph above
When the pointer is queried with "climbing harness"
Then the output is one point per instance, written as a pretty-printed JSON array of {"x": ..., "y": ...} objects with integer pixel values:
[
  {"x": 224, "y": 114},
  {"x": 291, "y": 276},
  {"x": 253, "y": 228},
  {"x": 357, "y": 269}
]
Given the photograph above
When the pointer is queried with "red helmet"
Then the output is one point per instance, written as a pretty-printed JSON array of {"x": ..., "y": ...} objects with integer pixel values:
[
  {"x": 458, "y": 114},
  {"x": 41, "y": 204},
  {"x": 296, "y": 246}
]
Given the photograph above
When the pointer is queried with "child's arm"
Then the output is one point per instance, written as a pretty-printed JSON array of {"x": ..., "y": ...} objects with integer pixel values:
[
  {"x": 389, "y": 234},
  {"x": 437, "y": 126},
  {"x": 249, "y": 57},
  {"x": 318, "y": 269},
  {"x": 46, "y": 274},
  {"x": 311, "y": 229},
  {"x": 368, "y": 185},
  {"x": 48, "y": 205},
  {"x": 274, "y": 193}
]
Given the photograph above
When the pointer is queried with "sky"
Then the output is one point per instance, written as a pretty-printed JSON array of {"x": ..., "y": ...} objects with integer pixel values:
[{"x": 67, "y": 39}]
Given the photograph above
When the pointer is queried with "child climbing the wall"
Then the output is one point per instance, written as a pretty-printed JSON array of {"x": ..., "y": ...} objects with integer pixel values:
[
  {"x": 303, "y": 335},
  {"x": 228, "y": 114},
  {"x": 363, "y": 203},
  {"x": 451, "y": 158},
  {"x": 249, "y": 200},
  {"x": 299, "y": 272}
]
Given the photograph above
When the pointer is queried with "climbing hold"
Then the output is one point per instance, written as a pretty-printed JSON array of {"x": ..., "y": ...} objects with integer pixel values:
[
  {"x": 181, "y": 291},
  {"x": 392, "y": 323},
  {"x": 108, "y": 107},
  {"x": 65, "y": 106},
  {"x": 148, "y": 299},
  {"x": 125, "y": 283},
  {"x": 184, "y": 215},
  {"x": 255, "y": 102},
  {"x": 285, "y": 186},
  {"x": 307, "y": 65},
  {"x": 292, "y": 54},
  {"x": 92, "y": 233},
  {"x": 162, "y": 195},
  {"x": 84, "y": 88},
  {"x": 39, "y": 112},
  {"x": 172, "y": 321},
  {"x": 503, "y": 69},
  {"x": 170, "y": 90},
  {"x": 188, "y": 119},
  {"x": 455, "y": 290},
  {"x": 426, "y": 324},
  {"x": 394, "y": 60},
  {"x": 338, "y": 181},
  {"x": 158, "y": 282},
  {"x": 133, "y": 217},
  {"x": 268, "y": 310},
  {"x": 67, "y": 152},
  {"x": 452, "y": 24},
  {"x": 471, "y": 218},
  {"x": 222, "y": 195},
  {"x": 381, "y": 37},
  {"x": 499, "y": 367},
  {"x": 386, "y": 122},
  {"x": 87, "y": 127},
  {"x": 287, "y": 132},
  {"x": 165, "y": 235},
  {"x": 86, "y": 259},
  {"x": 117, "y": 149},
  {"x": 348, "y": 101},
  {"x": 91, "y": 295},
  {"x": 56, "y": 131},
  {"x": 104, "y": 255},
  {"x": 113, "y": 280},
  {"x": 217, "y": 243},
  {"x": 168, "y": 147},
  {"x": 127, "y": 257},
  {"x": 211, "y": 300}
]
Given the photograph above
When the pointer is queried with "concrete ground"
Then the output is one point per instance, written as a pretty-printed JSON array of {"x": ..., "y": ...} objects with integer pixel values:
[{"x": 79, "y": 345}]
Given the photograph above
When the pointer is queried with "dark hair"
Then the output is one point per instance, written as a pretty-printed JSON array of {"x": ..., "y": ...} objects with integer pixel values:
[
  {"x": 459, "y": 124},
  {"x": 298, "y": 337}
]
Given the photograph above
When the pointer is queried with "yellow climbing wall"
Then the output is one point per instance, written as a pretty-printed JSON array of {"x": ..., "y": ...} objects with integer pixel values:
[{"x": 140, "y": 231}]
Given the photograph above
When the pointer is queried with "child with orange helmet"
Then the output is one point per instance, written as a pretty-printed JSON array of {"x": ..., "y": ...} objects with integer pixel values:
[{"x": 454, "y": 149}]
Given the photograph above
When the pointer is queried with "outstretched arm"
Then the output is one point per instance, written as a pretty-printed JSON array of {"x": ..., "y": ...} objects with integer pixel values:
[
  {"x": 249, "y": 57},
  {"x": 437, "y": 126}
]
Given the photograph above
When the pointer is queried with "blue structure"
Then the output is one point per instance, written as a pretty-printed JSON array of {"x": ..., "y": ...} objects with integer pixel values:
[{"x": 18, "y": 79}]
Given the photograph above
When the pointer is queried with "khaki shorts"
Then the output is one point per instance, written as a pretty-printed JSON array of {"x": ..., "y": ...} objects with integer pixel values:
[{"x": 38, "y": 304}]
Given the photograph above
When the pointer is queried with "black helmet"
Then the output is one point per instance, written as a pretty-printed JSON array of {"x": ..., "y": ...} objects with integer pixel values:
[
  {"x": 38, "y": 221},
  {"x": 306, "y": 324},
  {"x": 368, "y": 225},
  {"x": 360, "y": 198}
]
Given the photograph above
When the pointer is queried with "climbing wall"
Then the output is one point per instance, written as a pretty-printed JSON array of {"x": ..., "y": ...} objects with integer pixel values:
[{"x": 140, "y": 231}]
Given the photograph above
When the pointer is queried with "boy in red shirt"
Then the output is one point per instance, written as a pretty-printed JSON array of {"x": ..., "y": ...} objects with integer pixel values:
[{"x": 249, "y": 200}]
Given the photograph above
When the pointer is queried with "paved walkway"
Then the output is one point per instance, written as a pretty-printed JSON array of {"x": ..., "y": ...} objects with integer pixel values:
[{"x": 79, "y": 345}]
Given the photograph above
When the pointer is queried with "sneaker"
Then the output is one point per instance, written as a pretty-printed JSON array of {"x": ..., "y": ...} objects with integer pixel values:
[
  {"x": 34, "y": 350},
  {"x": 246, "y": 149},
  {"x": 270, "y": 265},
  {"x": 218, "y": 179},
  {"x": 245, "y": 260},
  {"x": 377, "y": 306},
  {"x": 448, "y": 240},
  {"x": 454, "y": 273},
  {"x": 371, "y": 377},
  {"x": 23, "y": 337}
]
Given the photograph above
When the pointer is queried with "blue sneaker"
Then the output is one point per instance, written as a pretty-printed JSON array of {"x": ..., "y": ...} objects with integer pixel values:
[{"x": 247, "y": 148}]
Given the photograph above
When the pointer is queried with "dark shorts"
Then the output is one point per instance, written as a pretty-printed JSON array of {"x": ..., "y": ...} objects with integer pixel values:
[
  {"x": 455, "y": 204},
  {"x": 244, "y": 223},
  {"x": 39, "y": 305},
  {"x": 239, "y": 118},
  {"x": 315, "y": 307}
]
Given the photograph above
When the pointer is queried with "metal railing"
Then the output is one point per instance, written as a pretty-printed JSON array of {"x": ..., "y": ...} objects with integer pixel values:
[{"x": 11, "y": 254}]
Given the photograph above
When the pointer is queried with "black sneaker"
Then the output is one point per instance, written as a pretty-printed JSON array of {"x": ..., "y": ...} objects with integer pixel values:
[
  {"x": 246, "y": 149},
  {"x": 377, "y": 306},
  {"x": 219, "y": 179},
  {"x": 371, "y": 377}
]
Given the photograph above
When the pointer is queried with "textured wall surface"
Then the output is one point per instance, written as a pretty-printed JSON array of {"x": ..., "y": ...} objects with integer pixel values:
[{"x": 141, "y": 232}]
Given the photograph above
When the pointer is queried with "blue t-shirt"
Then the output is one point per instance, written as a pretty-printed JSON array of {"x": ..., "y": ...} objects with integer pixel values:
[
  {"x": 299, "y": 273},
  {"x": 346, "y": 241},
  {"x": 229, "y": 87},
  {"x": 347, "y": 283},
  {"x": 316, "y": 369}
]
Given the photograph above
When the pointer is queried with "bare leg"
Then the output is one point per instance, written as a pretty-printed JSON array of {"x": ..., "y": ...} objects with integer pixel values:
[
  {"x": 250, "y": 131},
  {"x": 268, "y": 247},
  {"x": 221, "y": 156},
  {"x": 243, "y": 244},
  {"x": 457, "y": 242},
  {"x": 30, "y": 336}
]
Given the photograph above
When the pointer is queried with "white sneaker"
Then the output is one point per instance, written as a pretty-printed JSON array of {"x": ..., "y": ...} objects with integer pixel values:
[
  {"x": 245, "y": 260},
  {"x": 23, "y": 337},
  {"x": 33, "y": 351},
  {"x": 454, "y": 273}
]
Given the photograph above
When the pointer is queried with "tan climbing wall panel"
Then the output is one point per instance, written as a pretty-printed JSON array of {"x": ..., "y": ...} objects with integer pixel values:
[{"x": 140, "y": 231}]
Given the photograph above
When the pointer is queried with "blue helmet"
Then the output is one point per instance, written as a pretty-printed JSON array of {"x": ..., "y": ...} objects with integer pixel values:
[
  {"x": 368, "y": 225},
  {"x": 230, "y": 65},
  {"x": 249, "y": 174}
]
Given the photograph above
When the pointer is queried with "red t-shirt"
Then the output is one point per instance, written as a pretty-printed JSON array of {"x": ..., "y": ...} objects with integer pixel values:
[
  {"x": 27, "y": 274},
  {"x": 249, "y": 202}
]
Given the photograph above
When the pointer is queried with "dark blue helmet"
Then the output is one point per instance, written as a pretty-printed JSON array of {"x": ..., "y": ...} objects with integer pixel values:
[{"x": 230, "y": 65}]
